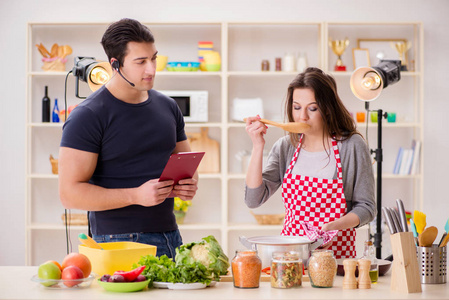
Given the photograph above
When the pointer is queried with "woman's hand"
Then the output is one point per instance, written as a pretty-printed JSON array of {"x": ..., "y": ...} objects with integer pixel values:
[{"x": 256, "y": 130}]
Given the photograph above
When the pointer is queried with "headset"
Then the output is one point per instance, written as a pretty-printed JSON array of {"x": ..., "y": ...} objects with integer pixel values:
[{"x": 116, "y": 65}]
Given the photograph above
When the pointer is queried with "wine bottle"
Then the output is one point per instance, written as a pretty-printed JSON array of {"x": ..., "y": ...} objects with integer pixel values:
[
  {"x": 55, "y": 114},
  {"x": 46, "y": 107}
]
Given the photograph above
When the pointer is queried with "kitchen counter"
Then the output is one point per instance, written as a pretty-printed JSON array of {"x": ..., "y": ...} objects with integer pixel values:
[{"x": 15, "y": 283}]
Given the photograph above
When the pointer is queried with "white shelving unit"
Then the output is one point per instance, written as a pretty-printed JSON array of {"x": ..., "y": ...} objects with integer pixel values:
[{"x": 218, "y": 208}]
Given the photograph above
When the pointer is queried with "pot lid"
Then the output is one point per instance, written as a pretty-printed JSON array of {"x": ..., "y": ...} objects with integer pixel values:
[{"x": 279, "y": 240}]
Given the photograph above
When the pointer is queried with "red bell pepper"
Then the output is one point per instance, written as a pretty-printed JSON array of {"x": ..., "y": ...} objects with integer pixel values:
[{"x": 131, "y": 275}]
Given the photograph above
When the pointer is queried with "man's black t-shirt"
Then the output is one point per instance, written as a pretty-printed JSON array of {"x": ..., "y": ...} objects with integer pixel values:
[{"x": 133, "y": 143}]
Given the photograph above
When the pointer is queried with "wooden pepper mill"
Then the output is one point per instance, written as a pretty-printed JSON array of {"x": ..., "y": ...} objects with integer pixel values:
[
  {"x": 364, "y": 279},
  {"x": 349, "y": 281}
]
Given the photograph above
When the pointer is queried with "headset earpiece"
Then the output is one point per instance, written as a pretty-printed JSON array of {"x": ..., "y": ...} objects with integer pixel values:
[{"x": 115, "y": 65}]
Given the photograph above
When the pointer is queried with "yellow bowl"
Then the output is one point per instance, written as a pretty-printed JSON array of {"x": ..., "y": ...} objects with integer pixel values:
[
  {"x": 116, "y": 256},
  {"x": 161, "y": 62}
]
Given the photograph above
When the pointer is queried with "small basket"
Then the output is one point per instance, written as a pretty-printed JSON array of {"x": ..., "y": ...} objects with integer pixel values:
[
  {"x": 54, "y": 64},
  {"x": 75, "y": 219},
  {"x": 433, "y": 263},
  {"x": 274, "y": 219},
  {"x": 54, "y": 164}
]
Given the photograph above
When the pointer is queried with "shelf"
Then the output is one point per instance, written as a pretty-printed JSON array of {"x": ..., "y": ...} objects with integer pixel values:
[
  {"x": 198, "y": 73},
  {"x": 198, "y": 125},
  {"x": 48, "y": 226},
  {"x": 385, "y": 124},
  {"x": 199, "y": 226},
  {"x": 49, "y": 73},
  {"x": 43, "y": 176},
  {"x": 260, "y": 73},
  {"x": 242, "y": 46},
  {"x": 349, "y": 73},
  {"x": 46, "y": 125},
  {"x": 249, "y": 226},
  {"x": 56, "y": 227}
]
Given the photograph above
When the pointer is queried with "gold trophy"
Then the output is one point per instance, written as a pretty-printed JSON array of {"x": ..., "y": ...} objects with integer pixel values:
[
  {"x": 402, "y": 48},
  {"x": 338, "y": 47}
]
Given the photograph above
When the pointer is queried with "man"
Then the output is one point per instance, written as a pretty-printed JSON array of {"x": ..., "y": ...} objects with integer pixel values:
[{"x": 116, "y": 143}]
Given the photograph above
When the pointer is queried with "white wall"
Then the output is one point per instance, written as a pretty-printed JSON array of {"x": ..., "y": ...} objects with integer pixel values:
[{"x": 14, "y": 16}]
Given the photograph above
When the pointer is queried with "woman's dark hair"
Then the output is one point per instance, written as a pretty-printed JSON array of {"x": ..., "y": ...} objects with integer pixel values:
[
  {"x": 336, "y": 118},
  {"x": 116, "y": 38}
]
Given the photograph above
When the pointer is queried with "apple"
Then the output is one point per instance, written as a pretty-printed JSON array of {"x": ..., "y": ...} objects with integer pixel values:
[
  {"x": 79, "y": 260},
  {"x": 70, "y": 273},
  {"x": 50, "y": 271},
  {"x": 71, "y": 107}
]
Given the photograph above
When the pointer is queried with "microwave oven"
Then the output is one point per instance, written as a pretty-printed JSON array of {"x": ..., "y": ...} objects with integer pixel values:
[{"x": 193, "y": 104}]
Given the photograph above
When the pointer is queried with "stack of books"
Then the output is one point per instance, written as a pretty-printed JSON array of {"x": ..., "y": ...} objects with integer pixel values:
[{"x": 407, "y": 160}]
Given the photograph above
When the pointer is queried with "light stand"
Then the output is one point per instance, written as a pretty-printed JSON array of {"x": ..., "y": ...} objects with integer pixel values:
[
  {"x": 367, "y": 84},
  {"x": 378, "y": 157},
  {"x": 96, "y": 74}
]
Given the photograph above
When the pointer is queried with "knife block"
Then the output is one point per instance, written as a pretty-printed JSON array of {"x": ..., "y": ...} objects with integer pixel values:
[{"x": 405, "y": 276}]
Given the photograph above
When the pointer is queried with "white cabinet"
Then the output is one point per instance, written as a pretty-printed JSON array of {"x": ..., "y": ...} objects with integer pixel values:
[{"x": 218, "y": 208}]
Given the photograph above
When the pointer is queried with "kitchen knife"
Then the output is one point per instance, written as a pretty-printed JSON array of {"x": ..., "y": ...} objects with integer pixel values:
[
  {"x": 387, "y": 217},
  {"x": 395, "y": 219},
  {"x": 402, "y": 216}
]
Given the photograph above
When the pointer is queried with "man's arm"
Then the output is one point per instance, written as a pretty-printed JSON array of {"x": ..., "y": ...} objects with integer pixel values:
[
  {"x": 186, "y": 189},
  {"x": 76, "y": 168}
]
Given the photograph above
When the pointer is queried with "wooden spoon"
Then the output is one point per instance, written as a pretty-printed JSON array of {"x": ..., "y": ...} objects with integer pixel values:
[
  {"x": 294, "y": 127},
  {"x": 428, "y": 236}
]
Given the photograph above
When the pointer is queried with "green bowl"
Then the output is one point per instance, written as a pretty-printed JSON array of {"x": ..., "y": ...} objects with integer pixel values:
[{"x": 124, "y": 287}]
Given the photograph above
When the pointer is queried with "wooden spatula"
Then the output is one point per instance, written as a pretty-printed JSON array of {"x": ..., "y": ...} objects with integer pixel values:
[
  {"x": 428, "y": 236},
  {"x": 294, "y": 127}
]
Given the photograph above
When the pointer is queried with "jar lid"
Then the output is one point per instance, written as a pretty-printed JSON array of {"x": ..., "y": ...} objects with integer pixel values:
[
  {"x": 323, "y": 252},
  {"x": 290, "y": 256}
]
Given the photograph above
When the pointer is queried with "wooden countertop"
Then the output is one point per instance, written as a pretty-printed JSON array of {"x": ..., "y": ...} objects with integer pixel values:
[{"x": 15, "y": 283}]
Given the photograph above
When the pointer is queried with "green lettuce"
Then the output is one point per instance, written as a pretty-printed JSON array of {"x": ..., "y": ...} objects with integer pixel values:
[{"x": 164, "y": 269}]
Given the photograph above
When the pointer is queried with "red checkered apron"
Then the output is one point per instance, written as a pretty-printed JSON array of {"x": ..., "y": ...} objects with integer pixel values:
[{"x": 317, "y": 201}]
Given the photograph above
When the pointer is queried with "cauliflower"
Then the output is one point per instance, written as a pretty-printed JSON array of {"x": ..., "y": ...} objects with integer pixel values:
[{"x": 207, "y": 252}]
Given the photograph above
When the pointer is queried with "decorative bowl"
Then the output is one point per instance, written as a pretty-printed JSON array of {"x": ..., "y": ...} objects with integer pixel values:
[
  {"x": 123, "y": 287},
  {"x": 177, "y": 66},
  {"x": 60, "y": 284}
]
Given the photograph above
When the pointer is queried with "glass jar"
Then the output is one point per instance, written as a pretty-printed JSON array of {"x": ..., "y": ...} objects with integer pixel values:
[
  {"x": 370, "y": 254},
  {"x": 322, "y": 268},
  {"x": 246, "y": 269},
  {"x": 286, "y": 270}
]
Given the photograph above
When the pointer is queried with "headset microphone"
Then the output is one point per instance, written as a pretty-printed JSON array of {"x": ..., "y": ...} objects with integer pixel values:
[{"x": 116, "y": 65}]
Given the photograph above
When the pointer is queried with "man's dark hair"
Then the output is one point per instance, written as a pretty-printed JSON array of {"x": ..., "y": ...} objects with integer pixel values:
[{"x": 116, "y": 38}]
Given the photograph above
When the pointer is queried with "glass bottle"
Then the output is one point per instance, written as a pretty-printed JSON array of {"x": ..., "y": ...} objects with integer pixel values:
[
  {"x": 55, "y": 113},
  {"x": 246, "y": 269},
  {"x": 369, "y": 253},
  {"x": 322, "y": 268},
  {"x": 301, "y": 64},
  {"x": 286, "y": 270},
  {"x": 46, "y": 107}
]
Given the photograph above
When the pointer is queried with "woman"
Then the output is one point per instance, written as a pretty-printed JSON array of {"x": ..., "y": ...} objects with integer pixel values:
[{"x": 326, "y": 174}]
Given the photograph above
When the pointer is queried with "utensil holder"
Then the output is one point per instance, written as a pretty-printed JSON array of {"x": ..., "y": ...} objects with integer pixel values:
[
  {"x": 433, "y": 263},
  {"x": 405, "y": 276}
]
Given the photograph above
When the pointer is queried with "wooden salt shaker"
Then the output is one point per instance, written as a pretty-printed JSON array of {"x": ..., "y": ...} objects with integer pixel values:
[
  {"x": 364, "y": 279},
  {"x": 349, "y": 281}
]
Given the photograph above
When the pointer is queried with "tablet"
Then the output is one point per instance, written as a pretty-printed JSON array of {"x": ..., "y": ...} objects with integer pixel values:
[{"x": 180, "y": 166}]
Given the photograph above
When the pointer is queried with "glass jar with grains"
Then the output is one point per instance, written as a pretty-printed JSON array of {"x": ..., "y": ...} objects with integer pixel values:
[
  {"x": 286, "y": 270},
  {"x": 322, "y": 268},
  {"x": 246, "y": 269}
]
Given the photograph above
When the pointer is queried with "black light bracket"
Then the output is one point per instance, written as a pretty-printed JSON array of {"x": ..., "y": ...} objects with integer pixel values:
[{"x": 81, "y": 71}]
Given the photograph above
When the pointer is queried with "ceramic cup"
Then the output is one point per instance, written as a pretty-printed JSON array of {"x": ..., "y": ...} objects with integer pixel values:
[
  {"x": 391, "y": 118},
  {"x": 373, "y": 115},
  {"x": 360, "y": 116}
]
